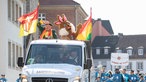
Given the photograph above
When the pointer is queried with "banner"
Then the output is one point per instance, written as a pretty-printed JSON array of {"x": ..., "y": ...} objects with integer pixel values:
[{"x": 119, "y": 59}]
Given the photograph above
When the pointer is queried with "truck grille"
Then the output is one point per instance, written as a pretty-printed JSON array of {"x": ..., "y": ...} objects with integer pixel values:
[{"x": 48, "y": 79}]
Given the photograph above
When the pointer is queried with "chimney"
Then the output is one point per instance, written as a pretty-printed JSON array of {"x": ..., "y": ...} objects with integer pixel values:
[{"x": 120, "y": 34}]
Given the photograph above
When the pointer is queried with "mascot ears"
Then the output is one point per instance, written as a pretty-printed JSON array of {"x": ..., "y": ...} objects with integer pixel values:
[
  {"x": 60, "y": 19},
  {"x": 64, "y": 17}
]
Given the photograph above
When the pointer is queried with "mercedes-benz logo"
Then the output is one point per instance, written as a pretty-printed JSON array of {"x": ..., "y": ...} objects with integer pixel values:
[{"x": 49, "y": 80}]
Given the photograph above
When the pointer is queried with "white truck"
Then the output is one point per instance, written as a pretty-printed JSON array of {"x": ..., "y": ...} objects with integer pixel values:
[{"x": 53, "y": 65}]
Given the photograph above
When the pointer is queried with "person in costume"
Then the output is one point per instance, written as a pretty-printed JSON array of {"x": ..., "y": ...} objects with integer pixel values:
[
  {"x": 117, "y": 76},
  {"x": 3, "y": 79},
  {"x": 48, "y": 32},
  {"x": 133, "y": 77}
]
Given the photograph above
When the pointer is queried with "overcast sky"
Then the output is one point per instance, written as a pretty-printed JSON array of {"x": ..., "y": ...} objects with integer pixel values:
[{"x": 126, "y": 16}]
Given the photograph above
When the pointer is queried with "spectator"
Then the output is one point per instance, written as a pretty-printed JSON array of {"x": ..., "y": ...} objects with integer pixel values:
[
  {"x": 19, "y": 79},
  {"x": 3, "y": 79}
]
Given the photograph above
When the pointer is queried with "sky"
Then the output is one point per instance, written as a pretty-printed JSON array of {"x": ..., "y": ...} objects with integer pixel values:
[{"x": 125, "y": 16}]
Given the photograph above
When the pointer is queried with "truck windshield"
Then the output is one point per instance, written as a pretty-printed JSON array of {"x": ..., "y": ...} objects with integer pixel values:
[{"x": 54, "y": 54}]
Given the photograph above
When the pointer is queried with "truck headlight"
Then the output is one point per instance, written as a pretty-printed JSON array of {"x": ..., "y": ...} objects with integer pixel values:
[
  {"x": 24, "y": 78},
  {"x": 77, "y": 79}
]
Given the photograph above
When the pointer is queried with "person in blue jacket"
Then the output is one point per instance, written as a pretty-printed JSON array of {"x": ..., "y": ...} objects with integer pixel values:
[
  {"x": 133, "y": 77},
  {"x": 125, "y": 75},
  {"x": 145, "y": 76},
  {"x": 108, "y": 77},
  {"x": 3, "y": 79},
  {"x": 19, "y": 79},
  {"x": 141, "y": 79},
  {"x": 102, "y": 74},
  {"x": 117, "y": 76}
]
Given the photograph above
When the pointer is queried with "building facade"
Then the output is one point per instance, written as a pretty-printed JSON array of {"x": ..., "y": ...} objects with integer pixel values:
[
  {"x": 133, "y": 45},
  {"x": 11, "y": 45}
]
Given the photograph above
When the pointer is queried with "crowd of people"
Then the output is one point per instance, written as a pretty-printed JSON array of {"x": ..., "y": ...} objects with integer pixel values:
[
  {"x": 119, "y": 75},
  {"x": 3, "y": 78}
]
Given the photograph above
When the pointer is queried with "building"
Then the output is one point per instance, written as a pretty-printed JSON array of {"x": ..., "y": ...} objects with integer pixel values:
[
  {"x": 102, "y": 47},
  {"x": 135, "y": 46},
  {"x": 101, "y": 28},
  {"x": 11, "y": 45},
  {"x": 104, "y": 44},
  {"x": 49, "y": 9}
]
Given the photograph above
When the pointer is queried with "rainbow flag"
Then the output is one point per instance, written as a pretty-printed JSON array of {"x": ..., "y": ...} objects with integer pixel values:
[
  {"x": 85, "y": 31},
  {"x": 28, "y": 23}
]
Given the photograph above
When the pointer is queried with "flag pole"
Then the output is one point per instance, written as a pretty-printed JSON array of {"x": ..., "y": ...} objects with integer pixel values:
[{"x": 91, "y": 23}]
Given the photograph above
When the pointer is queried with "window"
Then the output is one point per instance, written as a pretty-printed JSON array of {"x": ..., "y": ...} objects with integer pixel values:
[
  {"x": 129, "y": 67},
  {"x": 106, "y": 49},
  {"x": 9, "y": 9},
  {"x": 42, "y": 16},
  {"x": 118, "y": 50},
  {"x": 129, "y": 50},
  {"x": 13, "y": 52},
  {"x": 17, "y": 51},
  {"x": 9, "y": 54},
  {"x": 16, "y": 15},
  {"x": 14, "y": 11},
  {"x": 140, "y": 50},
  {"x": 140, "y": 66},
  {"x": 97, "y": 51}
]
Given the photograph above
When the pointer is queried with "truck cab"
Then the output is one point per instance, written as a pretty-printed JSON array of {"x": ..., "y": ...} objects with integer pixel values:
[{"x": 58, "y": 61}]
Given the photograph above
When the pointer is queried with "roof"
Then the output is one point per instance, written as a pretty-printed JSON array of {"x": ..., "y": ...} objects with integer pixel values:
[
  {"x": 101, "y": 41},
  {"x": 106, "y": 24},
  {"x": 122, "y": 42},
  {"x": 134, "y": 41},
  {"x": 58, "y": 2}
]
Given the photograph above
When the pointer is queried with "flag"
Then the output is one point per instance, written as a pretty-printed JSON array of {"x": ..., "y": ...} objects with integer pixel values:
[
  {"x": 28, "y": 23},
  {"x": 86, "y": 29}
]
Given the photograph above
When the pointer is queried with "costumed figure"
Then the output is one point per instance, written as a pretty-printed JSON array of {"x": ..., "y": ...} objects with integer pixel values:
[
  {"x": 48, "y": 32},
  {"x": 66, "y": 29}
]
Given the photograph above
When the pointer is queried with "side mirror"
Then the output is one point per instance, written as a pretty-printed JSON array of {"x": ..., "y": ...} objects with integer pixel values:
[
  {"x": 89, "y": 63},
  {"x": 20, "y": 62}
]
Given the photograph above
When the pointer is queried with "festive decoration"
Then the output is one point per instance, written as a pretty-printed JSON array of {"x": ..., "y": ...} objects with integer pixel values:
[
  {"x": 85, "y": 32},
  {"x": 66, "y": 29},
  {"x": 28, "y": 23}
]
